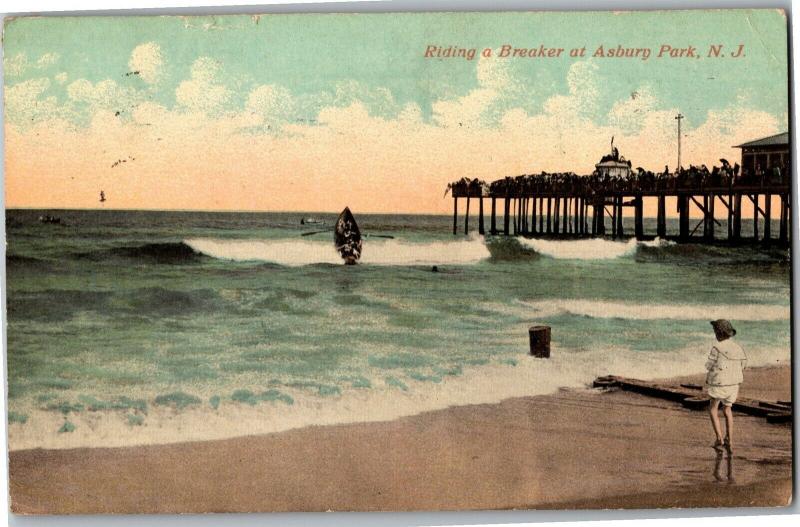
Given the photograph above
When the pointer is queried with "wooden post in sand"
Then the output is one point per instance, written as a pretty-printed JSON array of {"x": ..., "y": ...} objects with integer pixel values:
[{"x": 540, "y": 341}]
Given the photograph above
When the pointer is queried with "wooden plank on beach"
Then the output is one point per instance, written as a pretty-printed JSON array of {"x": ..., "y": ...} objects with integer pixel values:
[{"x": 686, "y": 394}]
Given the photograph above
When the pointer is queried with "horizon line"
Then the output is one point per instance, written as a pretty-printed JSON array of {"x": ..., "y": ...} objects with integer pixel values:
[{"x": 232, "y": 211}]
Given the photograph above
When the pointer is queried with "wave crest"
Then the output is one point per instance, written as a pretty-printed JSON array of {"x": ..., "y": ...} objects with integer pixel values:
[
  {"x": 305, "y": 252},
  {"x": 637, "y": 311},
  {"x": 589, "y": 249},
  {"x": 163, "y": 253}
]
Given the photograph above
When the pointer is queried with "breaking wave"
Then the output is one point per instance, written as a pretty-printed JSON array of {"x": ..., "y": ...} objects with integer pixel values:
[
  {"x": 636, "y": 311},
  {"x": 590, "y": 249},
  {"x": 165, "y": 252},
  {"x": 305, "y": 252}
]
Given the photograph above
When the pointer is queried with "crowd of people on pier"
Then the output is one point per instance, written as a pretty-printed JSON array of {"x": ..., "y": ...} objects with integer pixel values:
[{"x": 636, "y": 180}]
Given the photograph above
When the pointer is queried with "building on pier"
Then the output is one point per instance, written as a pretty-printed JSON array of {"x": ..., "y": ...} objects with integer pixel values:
[
  {"x": 613, "y": 165},
  {"x": 763, "y": 155}
]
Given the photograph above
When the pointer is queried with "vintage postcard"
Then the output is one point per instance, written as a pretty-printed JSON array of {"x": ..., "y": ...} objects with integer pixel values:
[{"x": 399, "y": 261}]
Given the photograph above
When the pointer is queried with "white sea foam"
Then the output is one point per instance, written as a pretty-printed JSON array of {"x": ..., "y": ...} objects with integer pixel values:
[
  {"x": 375, "y": 252},
  {"x": 589, "y": 249},
  {"x": 655, "y": 311},
  {"x": 478, "y": 385}
]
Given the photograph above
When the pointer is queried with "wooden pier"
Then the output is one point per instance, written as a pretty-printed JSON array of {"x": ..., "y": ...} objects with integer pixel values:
[
  {"x": 584, "y": 210},
  {"x": 568, "y": 205}
]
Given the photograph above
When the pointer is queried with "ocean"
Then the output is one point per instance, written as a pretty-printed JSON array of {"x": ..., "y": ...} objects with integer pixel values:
[{"x": 134, "y": 327}]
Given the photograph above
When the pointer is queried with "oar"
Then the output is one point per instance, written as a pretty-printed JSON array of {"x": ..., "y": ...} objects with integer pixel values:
[{"x": 315, "y": 232}]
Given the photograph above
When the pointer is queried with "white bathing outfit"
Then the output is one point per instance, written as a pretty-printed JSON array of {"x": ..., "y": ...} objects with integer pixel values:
[{"x": 725, "y": 366}]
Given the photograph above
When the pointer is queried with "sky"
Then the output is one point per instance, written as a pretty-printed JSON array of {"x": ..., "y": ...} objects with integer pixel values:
[{"x": 315, "y": 112}]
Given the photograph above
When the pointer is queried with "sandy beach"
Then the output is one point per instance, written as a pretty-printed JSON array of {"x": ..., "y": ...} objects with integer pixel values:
[{"x": 573, "y": 449}]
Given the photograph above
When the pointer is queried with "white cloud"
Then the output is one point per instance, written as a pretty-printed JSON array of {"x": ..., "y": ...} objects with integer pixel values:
[
  {"x": 202, "y": 92},
  {"x": 273, "y": 103},
  {"x": 468, "y": 110},
  {"x": 483, "y": 105},
  {"x": 61, "y": 77},
  {"x": 147, "y": 60},
  {"x": 105, "y": 95},
  {"x": 25, "y": 104},
  {"x": 48, "y": 59},
  {"x": 493, "y": 73},
  {"x": 581, "y": 102},
  {"x": 16, "y": 65},
  {"x": 628, "y": 114},
  {"x": 463, "y": 111}
]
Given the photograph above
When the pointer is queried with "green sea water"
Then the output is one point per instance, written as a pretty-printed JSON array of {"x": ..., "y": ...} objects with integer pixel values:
[{"x": 119, "y": 310}]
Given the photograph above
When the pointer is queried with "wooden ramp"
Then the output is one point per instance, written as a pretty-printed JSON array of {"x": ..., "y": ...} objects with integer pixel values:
[{"x": 691, "y": 396}]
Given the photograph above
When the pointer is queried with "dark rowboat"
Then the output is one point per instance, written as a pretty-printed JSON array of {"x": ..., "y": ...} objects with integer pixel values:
[{"x": 347, "y": 237}]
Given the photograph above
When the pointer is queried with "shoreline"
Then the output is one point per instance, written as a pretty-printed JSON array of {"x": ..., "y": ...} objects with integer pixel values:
[
  {"x": 571, "y": 449},
  {"x": 480, "y": 384}
]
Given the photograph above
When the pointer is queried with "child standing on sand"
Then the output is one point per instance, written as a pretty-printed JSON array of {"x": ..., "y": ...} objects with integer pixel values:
[{"x": 725, "y": 366}]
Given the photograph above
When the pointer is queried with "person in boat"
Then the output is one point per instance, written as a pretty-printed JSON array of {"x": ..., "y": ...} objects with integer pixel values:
[{"x": 725, "y": 367}]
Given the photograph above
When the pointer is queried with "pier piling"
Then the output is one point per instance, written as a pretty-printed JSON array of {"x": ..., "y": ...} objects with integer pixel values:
[
  {"x": 683, "y": 214},
  {"x": 466, "y": 219},
  {"x": 661, "y": 217},
  {"x": 754, "y": 199},
  {"x": 784, "y": 218},
  {"x": 455, "y": 215},
  {"x": 639, "y": 218},
  {"x": 767, "y": 217},
  {"x": 506, "y": 213},
  {"x": 541, "y": 214},
  {"x": 480, "y": 216},
  {"x": 493, "y": 226},
  {"x": 549, "y": 204},
  {"x": 711, "y": 219}
]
